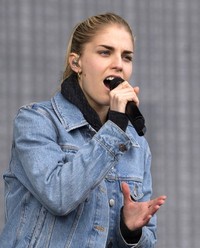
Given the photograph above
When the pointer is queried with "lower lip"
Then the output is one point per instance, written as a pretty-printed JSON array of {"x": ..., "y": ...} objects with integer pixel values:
[{"x": 107, "y": 87}]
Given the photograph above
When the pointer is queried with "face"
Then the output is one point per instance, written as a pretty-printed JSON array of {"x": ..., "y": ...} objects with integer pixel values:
[{"x": 108, "y": 54}]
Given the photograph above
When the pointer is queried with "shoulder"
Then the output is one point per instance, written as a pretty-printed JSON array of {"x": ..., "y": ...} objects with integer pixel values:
[
  {"x": 46, "y": 108},
  {"x": 35, "y": 115},
  {"x": 57, "y": 110},
  {"x": 33, "y": 110}
]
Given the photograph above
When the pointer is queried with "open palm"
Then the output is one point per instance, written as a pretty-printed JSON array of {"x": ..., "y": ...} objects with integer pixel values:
[{"x": 138, "y": 214}]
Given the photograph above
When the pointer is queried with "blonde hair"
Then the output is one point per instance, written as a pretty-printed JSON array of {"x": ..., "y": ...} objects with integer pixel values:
[{"x": 85, "y": 31}]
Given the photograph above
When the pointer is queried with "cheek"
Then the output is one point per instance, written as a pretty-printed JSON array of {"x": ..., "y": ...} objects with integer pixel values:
[
  {"x": 129, "y": 72},
  {"x": 92, "y": 70},
  {"x": 89, "y": 68}
]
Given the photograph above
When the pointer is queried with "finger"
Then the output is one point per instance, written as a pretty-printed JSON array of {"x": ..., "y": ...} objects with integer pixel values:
[
  {"x": 154, "y": 205},
  {"x": 161, "y": 200},
  {"x": 123, "y": 85},
  {"x": 136, "y": 100},
  {"x": 154, "y": 210},
  {"x": 147, "y": 218},
  {"x": 163, "y": 197},
  {"x": 158, "y": 201},
  {"x": 137, "y": 90},
  {"x": 126, "y": 193}
]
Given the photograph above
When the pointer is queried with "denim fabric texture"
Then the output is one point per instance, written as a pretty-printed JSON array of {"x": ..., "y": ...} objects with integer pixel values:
[{"x": 63, "y": 185}]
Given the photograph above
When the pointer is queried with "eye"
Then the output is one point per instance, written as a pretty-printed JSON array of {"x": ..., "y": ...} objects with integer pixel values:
[
  {"x": 128, "y": 58},
  {"x": 104, "y": 52}
]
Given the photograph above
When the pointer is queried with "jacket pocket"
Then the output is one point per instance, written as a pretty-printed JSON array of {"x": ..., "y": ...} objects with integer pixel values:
[
  {"x": 136, "y": 188},
  {"x": 36, "y": 230},
  {"x": 43, "y": 229},
  {"x": 69, "y": 150}
]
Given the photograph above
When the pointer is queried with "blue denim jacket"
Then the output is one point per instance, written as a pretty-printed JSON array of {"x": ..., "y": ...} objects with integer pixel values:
[{"x": 63, "y": 186}]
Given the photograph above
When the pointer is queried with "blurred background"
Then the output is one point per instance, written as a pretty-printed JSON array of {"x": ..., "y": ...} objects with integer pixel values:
[{"x": 33, "y": 39}]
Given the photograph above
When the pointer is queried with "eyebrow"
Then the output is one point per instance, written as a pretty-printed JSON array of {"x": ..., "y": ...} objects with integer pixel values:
[{"x": 112, "y": 49}]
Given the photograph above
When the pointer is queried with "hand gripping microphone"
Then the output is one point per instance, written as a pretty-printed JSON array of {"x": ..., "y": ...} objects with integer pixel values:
[{"x": 132, "y": 111}]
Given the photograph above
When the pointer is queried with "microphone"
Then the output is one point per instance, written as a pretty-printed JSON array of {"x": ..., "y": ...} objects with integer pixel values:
[{"x": 132, "y": 111}]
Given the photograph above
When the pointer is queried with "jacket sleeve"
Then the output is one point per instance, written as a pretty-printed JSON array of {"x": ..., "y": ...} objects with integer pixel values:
[{"x": 58, "y": 180}]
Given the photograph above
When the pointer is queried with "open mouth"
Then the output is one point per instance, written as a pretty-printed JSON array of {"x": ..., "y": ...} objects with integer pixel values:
[
  {"x": 112, "y": 82},
  {"x": 107, "y": 81}
]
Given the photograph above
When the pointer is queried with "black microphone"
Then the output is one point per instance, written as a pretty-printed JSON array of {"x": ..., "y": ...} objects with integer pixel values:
[{"x": 132, "y": 111}]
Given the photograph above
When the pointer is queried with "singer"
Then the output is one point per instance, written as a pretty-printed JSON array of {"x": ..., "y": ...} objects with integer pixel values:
[{"x": 80, "y": 174}]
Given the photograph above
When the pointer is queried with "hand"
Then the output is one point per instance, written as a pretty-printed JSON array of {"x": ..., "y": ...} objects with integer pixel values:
[
  {"x": 138, "y": 214},
  {"x": 122, "y": 94}
]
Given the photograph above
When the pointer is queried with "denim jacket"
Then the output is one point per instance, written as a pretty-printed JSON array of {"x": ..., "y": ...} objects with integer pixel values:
[{"x": 63, "y": 185}]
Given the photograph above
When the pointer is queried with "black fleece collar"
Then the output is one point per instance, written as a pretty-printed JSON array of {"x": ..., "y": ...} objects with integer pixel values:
[{"x": 72, "y": 91}]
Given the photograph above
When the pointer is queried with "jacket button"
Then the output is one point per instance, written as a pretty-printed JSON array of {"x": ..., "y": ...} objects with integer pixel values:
[
  {"x": 99, "y": 228},
  {"x": 112, "y": 202},
  {"x": 122, "y": 148}
]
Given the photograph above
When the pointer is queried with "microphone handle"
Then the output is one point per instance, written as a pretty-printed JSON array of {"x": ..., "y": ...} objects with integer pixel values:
[{"x": 132, "y": 111}]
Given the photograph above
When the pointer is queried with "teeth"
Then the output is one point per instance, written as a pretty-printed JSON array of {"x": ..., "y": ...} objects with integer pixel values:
[{"x": 109, "y": 78}]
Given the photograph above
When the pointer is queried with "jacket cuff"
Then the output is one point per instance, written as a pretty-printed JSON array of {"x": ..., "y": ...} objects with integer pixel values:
[{"x": 120, "y": 119}]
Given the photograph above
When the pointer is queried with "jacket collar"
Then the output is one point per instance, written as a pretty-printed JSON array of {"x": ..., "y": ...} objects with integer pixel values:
[
  {"x": 72, "y": 107},
  {"x": 68, "y": 114}
]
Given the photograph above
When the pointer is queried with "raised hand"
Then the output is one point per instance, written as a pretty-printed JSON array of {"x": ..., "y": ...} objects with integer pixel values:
[
  {"x": 138, "y": 214},
  {"x": 120, "y": 95}
]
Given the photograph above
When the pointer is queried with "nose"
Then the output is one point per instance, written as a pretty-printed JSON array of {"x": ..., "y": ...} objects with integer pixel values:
[{"x": 117, "y": 63}]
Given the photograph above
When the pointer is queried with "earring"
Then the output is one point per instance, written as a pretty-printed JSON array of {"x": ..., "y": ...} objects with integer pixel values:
[
  {"x": 75, "y": 62},
  {"x": 79, "y": 74}
]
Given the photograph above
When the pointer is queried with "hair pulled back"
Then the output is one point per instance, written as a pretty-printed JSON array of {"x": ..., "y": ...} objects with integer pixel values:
[{"x": 84, "y": 32}]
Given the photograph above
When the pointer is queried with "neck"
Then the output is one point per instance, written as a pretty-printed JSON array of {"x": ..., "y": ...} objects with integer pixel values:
[{"x": 103, "y": 114}]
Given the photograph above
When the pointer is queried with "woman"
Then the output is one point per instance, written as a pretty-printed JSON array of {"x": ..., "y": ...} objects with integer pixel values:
[{"x": 79, "y": 174}]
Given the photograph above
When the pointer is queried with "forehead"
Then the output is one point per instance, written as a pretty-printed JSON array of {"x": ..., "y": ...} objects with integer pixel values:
[{"x": 113, "y": 35}]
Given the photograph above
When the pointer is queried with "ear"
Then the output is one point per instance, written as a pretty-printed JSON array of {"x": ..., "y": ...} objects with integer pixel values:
[{"x": 74, "y": 62}]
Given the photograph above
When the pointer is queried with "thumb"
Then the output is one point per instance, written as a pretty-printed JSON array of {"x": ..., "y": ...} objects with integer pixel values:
[
  {"x": 137, "y": 90},
  {"x": 126, "y": 193}
]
